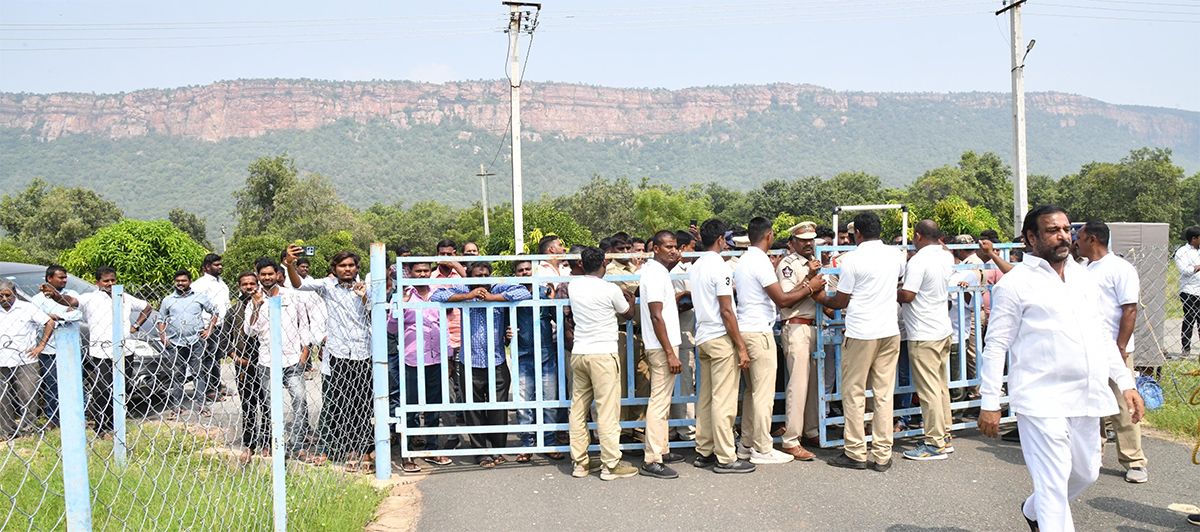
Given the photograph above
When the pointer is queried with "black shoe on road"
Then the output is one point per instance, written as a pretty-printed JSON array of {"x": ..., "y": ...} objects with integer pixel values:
[
  {"x": 842, "y": 460},
  {"x": 1012, "y": 436},
  {"x": 658, "y": 470},
  {"x": 705, "y": 461},
  {"x": 671, "y": 458},
  {"x": 736, "y": 466}
]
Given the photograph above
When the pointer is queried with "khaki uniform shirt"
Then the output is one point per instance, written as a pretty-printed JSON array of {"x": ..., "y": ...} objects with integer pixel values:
[
  {"x": 792, "y": 271},
  {"x": 616, "y": 268}
]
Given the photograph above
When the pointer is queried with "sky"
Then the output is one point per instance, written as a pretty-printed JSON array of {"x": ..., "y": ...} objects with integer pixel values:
[{"x": 1142, "y": 52}]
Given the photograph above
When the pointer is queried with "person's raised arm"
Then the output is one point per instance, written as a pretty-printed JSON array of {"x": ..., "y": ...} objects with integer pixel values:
[
  {"x": 58, "y": 297},
  {"x": 1002, "y": 330},
  {"x": 990, "y": 251}
]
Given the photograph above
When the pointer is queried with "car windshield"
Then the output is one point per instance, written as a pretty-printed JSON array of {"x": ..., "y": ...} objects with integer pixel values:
[{"x": 28, "y": 283}]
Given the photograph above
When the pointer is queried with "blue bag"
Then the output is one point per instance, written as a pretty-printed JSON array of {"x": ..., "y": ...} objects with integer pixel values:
[{"x": 1151, "y": 392}]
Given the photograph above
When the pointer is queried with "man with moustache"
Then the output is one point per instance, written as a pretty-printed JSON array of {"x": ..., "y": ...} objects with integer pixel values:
[{"x": 799, "y": 339}]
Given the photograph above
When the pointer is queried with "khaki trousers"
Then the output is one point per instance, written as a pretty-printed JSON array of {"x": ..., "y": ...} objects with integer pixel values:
[
  {"x": 687, "y": 386},
  {"x": 1129, "y": 434},
  {"x": 716, "y": 402},
  {"x": 928, "y": 360},
  {"x": 595, "y": 378},
  {"x": 641, "y": 376},
  {"x": 662, "y": 387},
  {"x": 799, "y": 342},
  {"x": 870, "y": 362},
  {"x": 759, "y": 397}
]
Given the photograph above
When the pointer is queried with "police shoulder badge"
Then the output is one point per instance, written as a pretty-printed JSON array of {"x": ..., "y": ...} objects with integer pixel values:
[{"x": 787, "y": 271}]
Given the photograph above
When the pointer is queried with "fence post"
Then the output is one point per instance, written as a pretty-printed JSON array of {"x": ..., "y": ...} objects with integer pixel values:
[
  {"x": 379, "y": 378},
  {"x": 76, "y": 488},
  {"x": 118, "y": 376},
  {"x": 278, "y": 467}
]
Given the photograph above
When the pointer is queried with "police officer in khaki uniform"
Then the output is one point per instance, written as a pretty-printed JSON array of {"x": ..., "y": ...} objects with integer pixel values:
[
  {"x": 799, "y": 340},
  {"x": 641, "y": 378}
]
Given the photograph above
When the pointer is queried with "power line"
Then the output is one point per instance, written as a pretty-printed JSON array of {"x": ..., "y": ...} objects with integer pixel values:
[
  {"x": 1127, "y": 10},
  {"x": 1065, "y": 15},
  {"x": 772, "y": 21},
  {"x": 419, "y": 33},
  {"x": 228, "y": 45},
  {"x": 299, "y": 23},
  {"x": 1145, "y": 3}
]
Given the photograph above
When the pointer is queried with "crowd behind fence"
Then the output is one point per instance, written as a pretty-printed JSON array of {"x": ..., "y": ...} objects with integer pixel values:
[{"x": 135, "y": 423}]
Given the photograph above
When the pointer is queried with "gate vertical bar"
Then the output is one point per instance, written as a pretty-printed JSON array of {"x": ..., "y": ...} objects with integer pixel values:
[
  {"x": 379, "y": 361},
  {"x": 118, "y": 377},
  {"x": 278, "y": 479},
  {"x": 76, "y": 489}
]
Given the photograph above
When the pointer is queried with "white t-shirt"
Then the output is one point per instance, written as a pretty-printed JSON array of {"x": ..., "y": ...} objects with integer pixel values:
[
  {"x": 97, "y": 309},
  {"x": 971, "y": 277},
  {"x": 595, "y": 305},
  {"x": 710, "y": 277},
  {"x": 870, "y": 275},
  {"x": 656, "y": 287},
  {"x": 928, "y": 275},
  {"x": 1119, "y": 285},
  {"x": 23, "y": 326},
  {"x": 756, "y": 312}
]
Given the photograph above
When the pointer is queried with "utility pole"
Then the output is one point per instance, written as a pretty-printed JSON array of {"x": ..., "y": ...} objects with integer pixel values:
[
  {"x": 1020, "y": 167},
  {"x": 483, "y": 174},
  {"x": 518, "y": 21}
]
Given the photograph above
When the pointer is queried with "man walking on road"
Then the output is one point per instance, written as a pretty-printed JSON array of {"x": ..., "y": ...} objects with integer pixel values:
[
  {"x": 1119, "y": 292},
  {"x": 867, "y": 290},
  {"x": 720, "y": 352},
  {"x": 595, "y": 305},
  {"x": 661, "y": 313},
  {"x": 1059, "y": 366},
  {"x": 923, "y": 296}
]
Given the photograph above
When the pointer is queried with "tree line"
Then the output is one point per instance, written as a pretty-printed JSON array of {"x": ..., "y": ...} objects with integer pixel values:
[{"x": 278, "y": 205}]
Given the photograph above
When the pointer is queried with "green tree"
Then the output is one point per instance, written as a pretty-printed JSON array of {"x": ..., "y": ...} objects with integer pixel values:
[
  {"x": 143, "y": 252},
  {"x": 420, "y": 226},
  {"x": 1043, "y": 190},
  {"x": 44, "y": 220},
  {"x": 309, "y": 208},
  {"x": 255, "y": 210},
  {"x": 542, "y": 219},
  {"x": 468, "y": 226},
  {"x": 661, "y": 207},
  {"x": 10, "y": 252},
  {"x": 242, "y": 252},
  {"x": 1189, "y": 203},
  {"x": 603, "y": 207},
  {"x": 1143, "y": 187},
  {"x": 195, "y": 226},
  {"x": 727, "y": 204}
]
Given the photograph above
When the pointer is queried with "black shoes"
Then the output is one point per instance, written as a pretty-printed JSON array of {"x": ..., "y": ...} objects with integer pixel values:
[
  {"x": 881, "y": 467},
  {"x": 705, "y": 461},
  {"x": 1011, "y": 436},
  {"x": 658, "y": 470},
  {"x": 842, "y": 460},
  {"x": 736, "y": 466},
  {"x": 1032, "y": 524},
  {"x": 671, "y": 458}
]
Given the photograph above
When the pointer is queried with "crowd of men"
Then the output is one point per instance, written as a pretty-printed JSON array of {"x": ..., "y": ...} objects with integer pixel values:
[{"x": 744, "y": 324}]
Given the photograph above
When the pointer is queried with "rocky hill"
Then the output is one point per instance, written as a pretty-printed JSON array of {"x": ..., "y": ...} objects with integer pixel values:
[{"x": 152, "y": 150}]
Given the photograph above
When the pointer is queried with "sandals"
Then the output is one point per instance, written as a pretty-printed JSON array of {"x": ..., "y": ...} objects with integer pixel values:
[
  {"x": 901, "y": 426},
  {"x": 487, "y": 463},
  {"x": 352, "y": 463},
  {"x": 409, "y": 466},
  {"x": 555, "y": 455},
  {"x": 500, "y": 459},
  {"x": 439, "y": 460},
  {"x": 309, "y": 458},
  {"x": 524, "y": 458}
]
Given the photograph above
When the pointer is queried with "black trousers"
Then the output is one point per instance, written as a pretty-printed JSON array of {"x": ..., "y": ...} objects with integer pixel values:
[
  {"x": 1191, "y": 317},
  {"x": 256, "y": 418},
  {"x": 98, "y": 383},
  {"x": 481, "y": 392},
  {"x": 346, "y": 428}
]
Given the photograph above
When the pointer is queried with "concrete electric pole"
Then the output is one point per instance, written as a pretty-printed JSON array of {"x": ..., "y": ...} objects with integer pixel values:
[
  {"x": 1020, "y": 166},
  {"x": 483, "y": 175},
  {"x": 518, "y": 21}
]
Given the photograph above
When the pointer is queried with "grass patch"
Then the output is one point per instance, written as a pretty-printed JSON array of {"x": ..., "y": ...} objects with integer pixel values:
[
  {"x": 175, "y": 480},
  {"x": 1179, "y": 380}
]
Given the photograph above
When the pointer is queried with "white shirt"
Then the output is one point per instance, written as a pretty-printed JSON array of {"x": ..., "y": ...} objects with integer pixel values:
[
  {"x": 21, "y": 328},
  {"x": 595, "y": 305},
  {"x": 317, "y": 315},
  {"x": 756, "y": 312},
  {"x": 1119, "y": 285},
  {"x": 870, "y": 275},
  {"x": 70, "y": 317},
  {"x": 971, "y": 277},
  {"x": 545, "y": 269},
  {"x": 928, "y": 276},
  {"x": 293, "y": 327},
  {"x": 1060, "y": 355},
  {"x": 97, "y": 309},
  {"x": 687, "y": 318},
  {"x": 710, "y": 277},
  {"x": 656, "y": 287},
  {"x": 1186, "y": 259},
  {"x": 217, "y": 293}
]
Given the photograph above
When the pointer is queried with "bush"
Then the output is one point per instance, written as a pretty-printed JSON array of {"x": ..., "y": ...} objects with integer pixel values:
[
  {"x": 143, "y": 252},
  {"x": 243, "y": 251}
]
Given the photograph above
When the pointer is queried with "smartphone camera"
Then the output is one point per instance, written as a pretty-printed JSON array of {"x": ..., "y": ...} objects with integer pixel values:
[{"x": 310, "y": 251}]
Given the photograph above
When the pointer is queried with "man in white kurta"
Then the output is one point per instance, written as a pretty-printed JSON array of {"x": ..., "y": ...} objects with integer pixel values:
[{"x": 1046, "y": 314}]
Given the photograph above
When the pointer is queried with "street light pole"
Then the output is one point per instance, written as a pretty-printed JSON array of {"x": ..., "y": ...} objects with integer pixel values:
[
  {"x": 515, "y": 19},
  {"x": 483, "y": 175},
  {"x": 1020, "y": 166}
]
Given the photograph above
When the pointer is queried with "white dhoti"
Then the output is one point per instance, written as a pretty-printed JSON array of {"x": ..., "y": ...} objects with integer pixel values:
[{"x": 1063, "y": 457}]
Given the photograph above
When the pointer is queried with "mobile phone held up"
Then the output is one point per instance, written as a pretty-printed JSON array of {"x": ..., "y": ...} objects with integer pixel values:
[{"x": 309, "y": 251}]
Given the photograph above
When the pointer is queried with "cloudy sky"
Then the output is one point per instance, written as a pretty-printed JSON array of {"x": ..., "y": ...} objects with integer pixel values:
[{"x": 1144, "y": 52}]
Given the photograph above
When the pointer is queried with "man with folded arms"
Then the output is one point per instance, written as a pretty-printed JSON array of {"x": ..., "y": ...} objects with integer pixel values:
[
  {"x": 1047, "y": 315},
  {"x": 867, "y": 290},
  {"x": 759, "y": 291},
  {"x": 720, "y": 352},
  {"x": 595, "y": 305},
  {"x": 923, "y": 299}
]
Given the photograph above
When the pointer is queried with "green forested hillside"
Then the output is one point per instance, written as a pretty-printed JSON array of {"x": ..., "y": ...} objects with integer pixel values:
[{"x": 148, "y": 176}]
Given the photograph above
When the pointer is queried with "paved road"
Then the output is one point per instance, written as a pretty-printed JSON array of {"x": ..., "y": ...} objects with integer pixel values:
[{"x": 978, "y": 489}]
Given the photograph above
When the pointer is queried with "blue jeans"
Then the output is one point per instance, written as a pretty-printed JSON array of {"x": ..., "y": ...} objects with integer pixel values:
[
  {"x": 433, "y": 396},
  {"x": 185, "y": 359},
  {"x": 904, "y": 376},
  {"x": 528, "y": 390},
  {"x": 49, "y": 387}
]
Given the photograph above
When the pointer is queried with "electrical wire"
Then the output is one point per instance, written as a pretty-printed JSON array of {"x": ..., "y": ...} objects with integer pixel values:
[
  {"x": 1040, "y": 4},
  {"x": 1065, "y": 15},
  {"x": 233, "y": 25},
  {"x": 419, "y": 33},
  {"x": 227, "y": 45}
]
